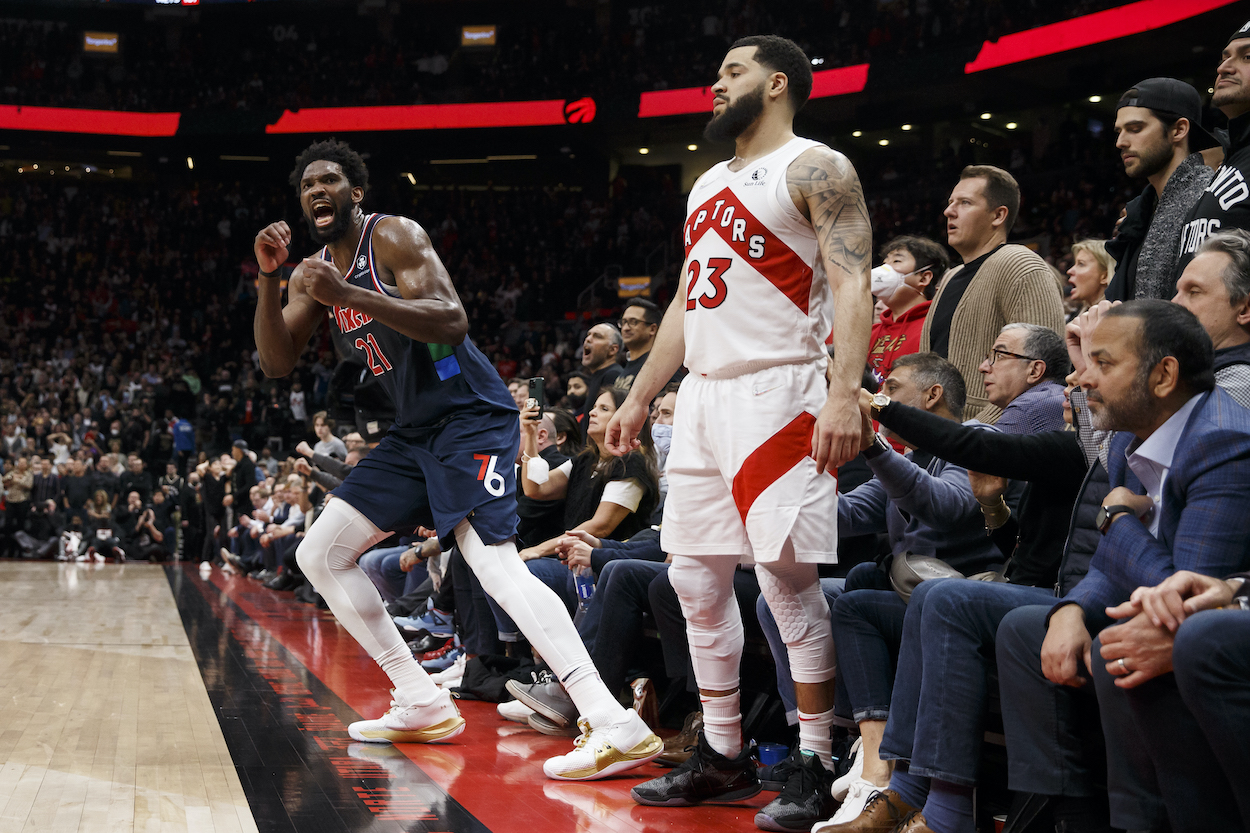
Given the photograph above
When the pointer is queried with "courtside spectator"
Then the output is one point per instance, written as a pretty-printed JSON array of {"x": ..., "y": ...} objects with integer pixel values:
[
  {"x": 905, "y": 282},
  {"x": 1158, "y": 133},
  {"x": 997, "y": 284},
  {"x": 1186, "y": 444},
  {"x": 1215, "y": 287},
  {"x": 601, "y": 352},
  {"x": 1023, "y": 375},
  {"x": 1090, "y": 273},
  {"x": 1225, "y": 204}
]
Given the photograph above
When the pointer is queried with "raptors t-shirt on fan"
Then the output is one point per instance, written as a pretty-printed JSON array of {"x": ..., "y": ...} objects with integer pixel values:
[{"x": 756, "y": 293}]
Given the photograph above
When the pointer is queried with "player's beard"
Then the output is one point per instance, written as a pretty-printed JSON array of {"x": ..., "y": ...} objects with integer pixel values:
[
  {"x": 736, "y": 117},
  {"x": 333, "y": 232}
]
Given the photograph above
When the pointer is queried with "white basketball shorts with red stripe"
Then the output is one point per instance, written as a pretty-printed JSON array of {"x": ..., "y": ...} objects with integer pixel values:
[{"x": 741, "y": 477}]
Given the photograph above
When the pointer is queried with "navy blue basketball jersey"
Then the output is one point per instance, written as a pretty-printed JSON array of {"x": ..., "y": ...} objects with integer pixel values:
[{"x": 427, "y": 382}]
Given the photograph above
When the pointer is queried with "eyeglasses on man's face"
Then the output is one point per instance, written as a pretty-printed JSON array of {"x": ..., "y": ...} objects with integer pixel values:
[
  {"x": 631, "y": 322},
  {"x": 997, "y": 354}
]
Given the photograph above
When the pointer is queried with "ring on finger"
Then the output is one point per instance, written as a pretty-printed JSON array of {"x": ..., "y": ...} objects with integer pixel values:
[{"x": 1124, "y": 667}]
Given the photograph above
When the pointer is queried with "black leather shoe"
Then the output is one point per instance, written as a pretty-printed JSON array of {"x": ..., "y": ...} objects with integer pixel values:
[
  {"x": 426, "y": 643},
  {"x": 706, "y": 775},
  {"x": 282, "y": 581}
]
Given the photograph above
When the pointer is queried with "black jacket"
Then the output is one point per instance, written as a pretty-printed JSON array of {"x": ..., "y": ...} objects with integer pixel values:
[
  {"x": 1225, "y": 204},
  {"x": 1125, "y": 247},
  {"x": 1053, "y": 465},
  {"x": 1051, "y": 462}
]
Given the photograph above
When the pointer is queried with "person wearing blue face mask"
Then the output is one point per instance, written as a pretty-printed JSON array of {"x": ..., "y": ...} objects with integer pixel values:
[
  {"x": 904, "y": 283},
  {"x": 662, "y": 435}
]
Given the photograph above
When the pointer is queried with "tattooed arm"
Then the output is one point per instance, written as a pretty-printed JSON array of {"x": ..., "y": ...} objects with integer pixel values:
[{"x": 826, "y": 189}]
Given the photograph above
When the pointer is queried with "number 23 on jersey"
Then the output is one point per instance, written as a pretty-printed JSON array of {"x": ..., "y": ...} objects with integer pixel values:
[{"x": 711, "y": 291}]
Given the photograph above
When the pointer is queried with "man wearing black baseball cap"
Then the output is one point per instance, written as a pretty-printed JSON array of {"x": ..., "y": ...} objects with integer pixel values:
[
  {"x": 1158, "y": 129},
  {"x": 1225, "y": 204}
]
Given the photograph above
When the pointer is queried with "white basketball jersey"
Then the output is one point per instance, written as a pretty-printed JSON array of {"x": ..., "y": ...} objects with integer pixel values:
[{"x": 756, "y": 293}]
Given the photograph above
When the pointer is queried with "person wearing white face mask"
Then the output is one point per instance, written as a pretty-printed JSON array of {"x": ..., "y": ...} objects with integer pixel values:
[{"x": 904, "y": 283}]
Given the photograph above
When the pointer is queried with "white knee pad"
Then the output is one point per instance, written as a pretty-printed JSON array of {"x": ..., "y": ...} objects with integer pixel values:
[
  {"x": 802, "y": 615},
  {"x": 704, "y": 586}
]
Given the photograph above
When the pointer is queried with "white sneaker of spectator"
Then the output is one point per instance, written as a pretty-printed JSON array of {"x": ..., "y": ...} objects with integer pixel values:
[
  {"x": 856, "y": 799},
  {"x": 453, "y": 674},
  {"x": 842, "y": 785},
  {"x": 516, "y": 711}
]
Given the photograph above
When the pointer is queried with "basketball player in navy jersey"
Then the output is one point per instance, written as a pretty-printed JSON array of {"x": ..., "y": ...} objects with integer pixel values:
[{"x": 447, "y": 463}]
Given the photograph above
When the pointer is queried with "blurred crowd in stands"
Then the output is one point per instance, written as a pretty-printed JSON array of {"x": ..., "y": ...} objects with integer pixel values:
[{"x": 304, "y": 58}]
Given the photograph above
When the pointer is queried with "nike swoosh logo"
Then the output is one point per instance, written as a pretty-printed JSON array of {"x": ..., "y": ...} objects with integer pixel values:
[{"x": 762, "y": 391}]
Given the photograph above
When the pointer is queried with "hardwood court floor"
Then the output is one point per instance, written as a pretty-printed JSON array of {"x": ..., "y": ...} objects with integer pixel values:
[
  {"x": 149, "y": 698},
  {"x": 105, "y": 724}
]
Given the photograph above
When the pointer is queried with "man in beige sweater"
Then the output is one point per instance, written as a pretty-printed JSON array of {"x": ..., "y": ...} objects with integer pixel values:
[{"x": 997, "y": 284}]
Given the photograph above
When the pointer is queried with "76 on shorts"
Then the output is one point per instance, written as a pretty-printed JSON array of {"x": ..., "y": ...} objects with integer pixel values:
[
  {"x": 712, "y": 291},
  {"x": 490, "y": 479}
]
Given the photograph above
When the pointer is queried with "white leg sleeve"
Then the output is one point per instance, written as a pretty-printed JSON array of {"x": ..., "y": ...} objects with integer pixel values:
[
  {"x": 541, "y": 616},
  {"x": 328, "y": 556},
  {"x": 793, "y": 594},
  {"x": 704, "y": 586}
]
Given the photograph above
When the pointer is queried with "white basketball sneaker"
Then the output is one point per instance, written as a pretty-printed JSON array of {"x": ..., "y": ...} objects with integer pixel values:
[
  {"x": 412, "y": 723},
  {"x": 606, "y": 751},
  {"x": 515, "y": 710}
]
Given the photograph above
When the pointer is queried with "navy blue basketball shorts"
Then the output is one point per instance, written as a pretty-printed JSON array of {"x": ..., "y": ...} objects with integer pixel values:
[{"x": 437, "y": 477}]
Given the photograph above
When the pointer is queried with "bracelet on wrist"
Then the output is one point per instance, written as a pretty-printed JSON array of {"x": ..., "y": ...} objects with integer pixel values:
[
  {"x": 994, "y": 520},
  {"x": 276, "y": 274},
  {"x": 991, "y": 507}
]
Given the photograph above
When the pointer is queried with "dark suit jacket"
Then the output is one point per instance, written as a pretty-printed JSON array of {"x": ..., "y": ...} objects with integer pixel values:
[{"x": 1204, "y": 522}]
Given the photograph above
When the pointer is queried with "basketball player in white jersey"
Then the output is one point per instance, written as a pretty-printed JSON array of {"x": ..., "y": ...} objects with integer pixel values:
[{"x": 776, "y": 238}]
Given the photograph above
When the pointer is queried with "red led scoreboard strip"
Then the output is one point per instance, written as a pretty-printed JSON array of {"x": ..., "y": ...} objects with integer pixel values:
[
  {"x": 104, "y": 122},
  {"x": 826, "y": 83},
  {"x": 435, "y": 116},
  {"x": 1088, "y": 29}
]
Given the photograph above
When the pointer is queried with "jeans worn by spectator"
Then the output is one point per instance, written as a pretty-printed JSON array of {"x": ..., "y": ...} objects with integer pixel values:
[
  {"x": 612, "y": 626},
  {"x": 382, "y": 568},
  {"x": 947, "y": 654}
]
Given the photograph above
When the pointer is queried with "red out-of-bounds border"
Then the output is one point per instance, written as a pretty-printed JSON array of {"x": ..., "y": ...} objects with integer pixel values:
[
  {"x": 1098, "y": 27},
  {"x": 825, "y": 83},
  {"x": 102, "y": 122}
]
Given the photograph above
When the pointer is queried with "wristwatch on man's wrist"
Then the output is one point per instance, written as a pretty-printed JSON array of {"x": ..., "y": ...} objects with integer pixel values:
[
  {"x": 1106, "y": 514},
  {"x": 879, "y": 446},
  {"x": 879, "y": 401}
]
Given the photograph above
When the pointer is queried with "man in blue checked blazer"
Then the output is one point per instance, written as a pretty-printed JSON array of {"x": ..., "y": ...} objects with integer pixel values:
[{"x": 1180, "y": 472}]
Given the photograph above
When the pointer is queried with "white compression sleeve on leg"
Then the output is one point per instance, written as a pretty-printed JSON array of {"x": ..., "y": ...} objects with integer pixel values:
[
  {"x": 328, "y": 555},
  {"x": 802, "y": 614},
  {"x": 541, "y": 616},
  {"x": 704, "y": 586}
]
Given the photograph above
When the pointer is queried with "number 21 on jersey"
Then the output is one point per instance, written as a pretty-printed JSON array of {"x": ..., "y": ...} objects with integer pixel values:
[
  {"x": 377, "y": 361},
  {"x": 711, "y": 292}
]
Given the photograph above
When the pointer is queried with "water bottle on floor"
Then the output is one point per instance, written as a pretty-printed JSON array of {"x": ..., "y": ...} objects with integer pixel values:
[{"x": 584, "y": 578}]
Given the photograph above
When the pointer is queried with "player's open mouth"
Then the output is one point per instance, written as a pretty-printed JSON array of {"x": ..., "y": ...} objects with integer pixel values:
[{"x": 323, "y": 214}]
